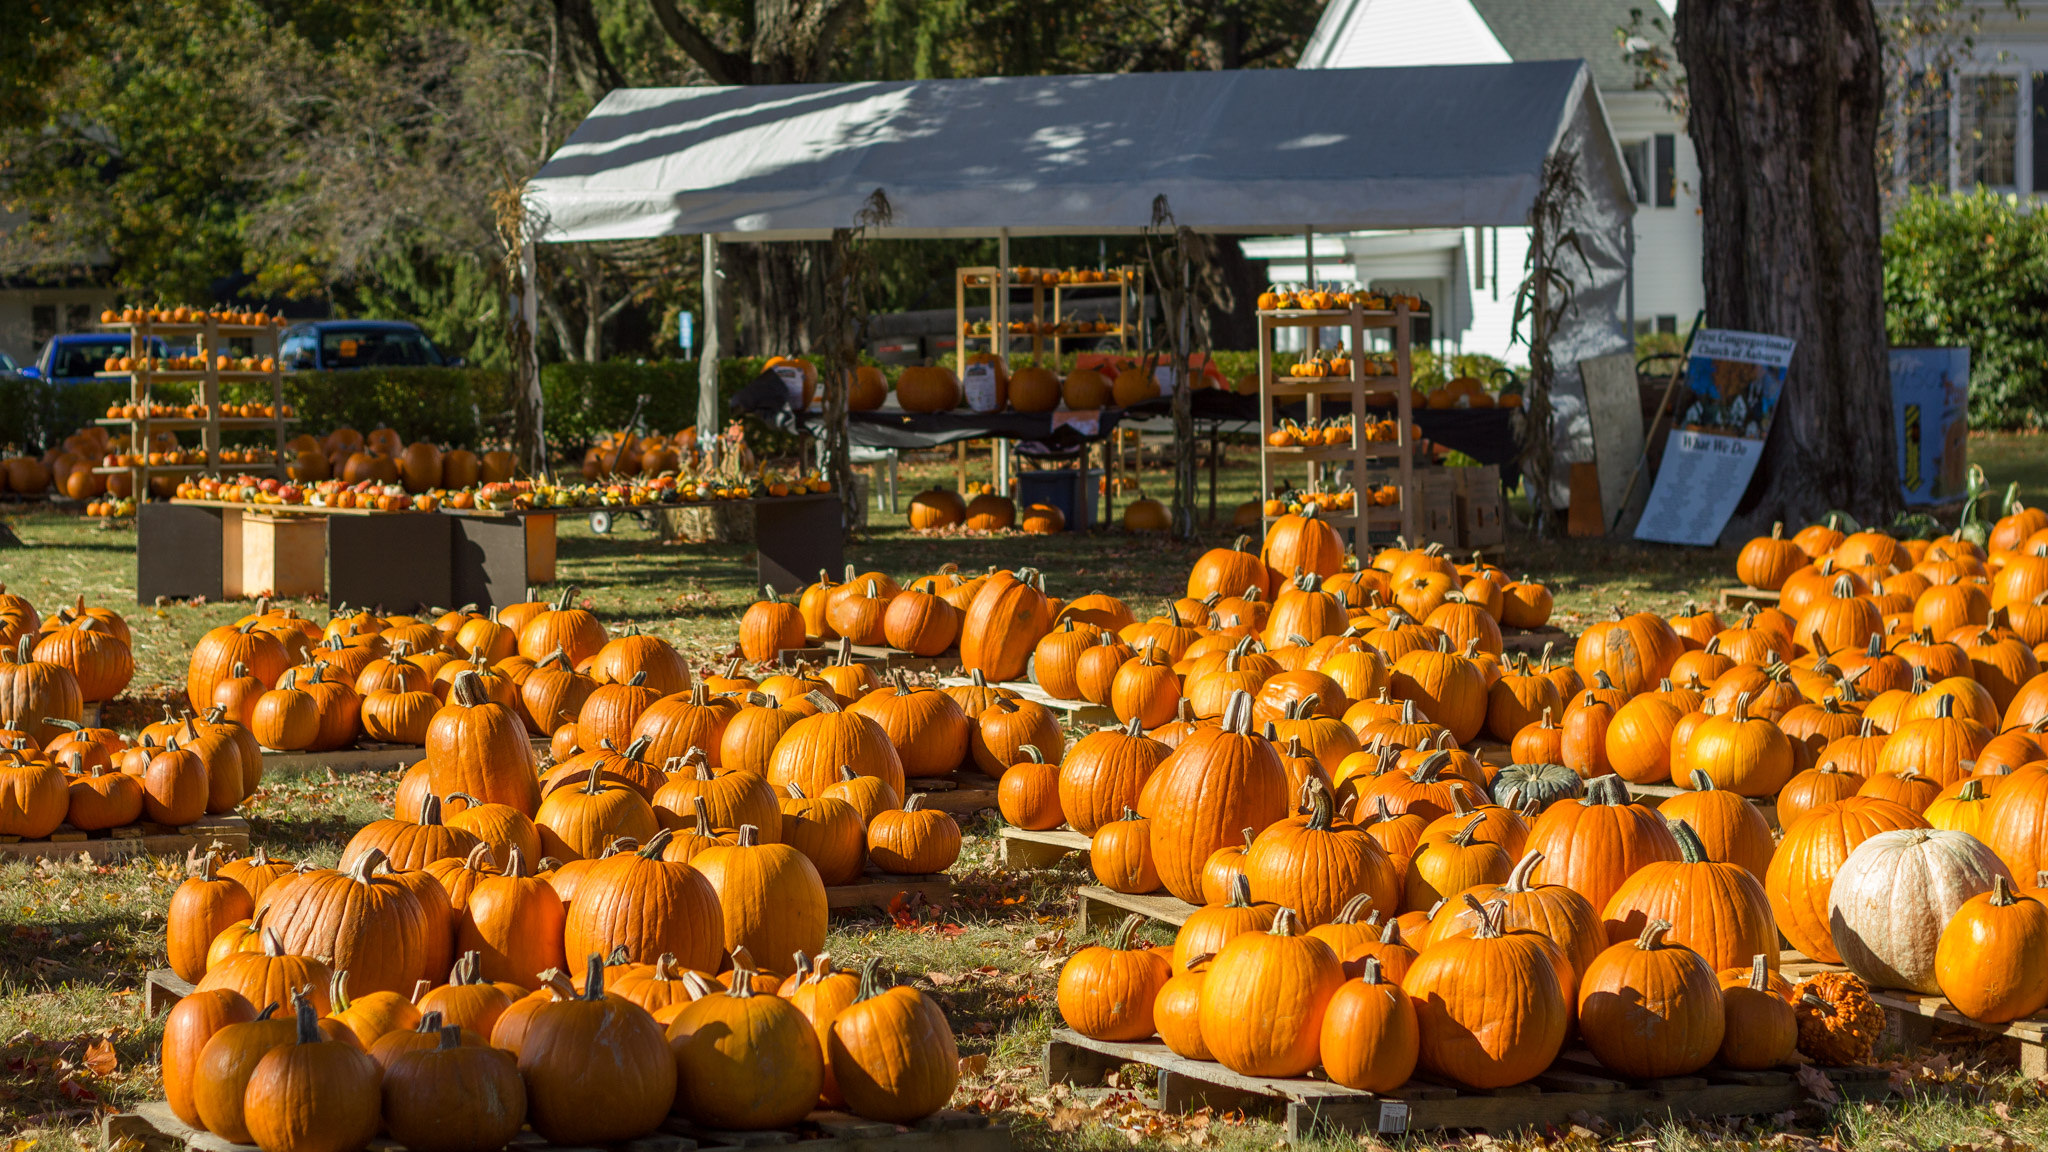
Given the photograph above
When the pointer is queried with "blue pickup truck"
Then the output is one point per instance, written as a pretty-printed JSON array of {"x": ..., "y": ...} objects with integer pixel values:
[
  {"x": 333, "y": 344},
  {"x": 73, "y": 358}
]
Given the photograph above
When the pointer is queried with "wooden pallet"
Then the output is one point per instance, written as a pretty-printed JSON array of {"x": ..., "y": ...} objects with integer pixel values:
[
  {"x": 965, "y": 793},
  {"x": 1736, "y": 599},
  {"x": 230, "y": 833},
  {"x": 1533, "y": 640},
  {"x": 1575, "y": 1084},
  {"x": 897, "y": 659},
  {"x": 876, "y": 890},
  {"x": 1911, "y": 1017},
  {"x": 1074, "y": 711},
  {"x": 1098, "y": 907},
  {"x": 156, "y": 1128},
  {"x": 1023, "y": 848},
  {"x": 1654, "y": 796},
  {"x": 366, "y": 756}
]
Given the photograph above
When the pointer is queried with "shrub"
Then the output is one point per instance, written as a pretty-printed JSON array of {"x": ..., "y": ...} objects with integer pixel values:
[
  {"x": 585, "y": 401},
  {"x": 1972, "y": 271},
  {"x": 454, "y": 406}
]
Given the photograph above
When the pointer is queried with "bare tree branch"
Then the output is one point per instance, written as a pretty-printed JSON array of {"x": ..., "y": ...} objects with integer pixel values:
[{"x": 723, "y": 67}]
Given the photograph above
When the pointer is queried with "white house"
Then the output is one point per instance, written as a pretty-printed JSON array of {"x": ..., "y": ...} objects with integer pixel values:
[{"x": 1469, "y": 275}]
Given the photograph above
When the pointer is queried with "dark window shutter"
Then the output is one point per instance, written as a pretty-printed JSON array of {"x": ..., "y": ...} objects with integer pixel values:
[
  {"x": 2041, "y": 131},
  {"x": 1667, "y": 170}
]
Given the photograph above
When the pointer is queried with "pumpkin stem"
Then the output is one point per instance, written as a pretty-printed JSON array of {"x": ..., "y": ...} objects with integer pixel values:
[
  {"x": 1690, "y": 849},
  {"x": 1814, "y": 1002},
  {"x": 1491, "y": 917},
  {"x": 593, "y": 978},
  {"x": 871, "y": 984},
  {"x": 1518, "y": 879},
  {"x": 2001, "y": 893},
  {"x": 1286, "y": 922},
  {"x": 308, "y": 1021},
  {"x": 656, "y": 844},
  {"x": 1759, "y": 973},
  {"x": 1464, "y": 837},
  {"x": 1353, "y": 909}
]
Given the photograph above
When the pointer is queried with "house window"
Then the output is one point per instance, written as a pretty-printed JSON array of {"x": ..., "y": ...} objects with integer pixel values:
[
  {"x": 78, "y": 318},
  {"x": 1988, "y": 128},
  {"x": 1924, "y": 108},
  {"x": 1653, "y": 169},
  {"x": 43, "y": 320}
]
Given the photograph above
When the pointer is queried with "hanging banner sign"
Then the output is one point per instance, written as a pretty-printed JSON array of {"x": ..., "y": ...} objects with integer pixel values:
[{"x": 1733, "y": 380}]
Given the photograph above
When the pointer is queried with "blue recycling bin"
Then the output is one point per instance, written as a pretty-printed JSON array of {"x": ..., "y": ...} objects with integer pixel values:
[{"x": 1071, "y": 490}]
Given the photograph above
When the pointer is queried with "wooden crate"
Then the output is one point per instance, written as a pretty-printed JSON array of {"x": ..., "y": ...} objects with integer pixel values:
[
  {"x": 281, "y": 556},
  {"x": 1482, "y": 512},
  {"x": 1736, "y": 599},
  {"x": 965, "y": 793},
  {"x": 1575, "y": 1084},
  {"x": 230, "y": 833},
  {"x": 155, "y": 1127}
]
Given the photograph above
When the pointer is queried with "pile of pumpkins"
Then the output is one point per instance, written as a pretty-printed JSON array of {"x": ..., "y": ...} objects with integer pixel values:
[
  {"x": 938, "y": 509},
  {"x": 55, "y": 770},
  {"x": 383, "y": 456},
  {"x": 1408, "y": 904},
  {"x": 1033, "y": 388},
  {"x": 428, "y": 997}
]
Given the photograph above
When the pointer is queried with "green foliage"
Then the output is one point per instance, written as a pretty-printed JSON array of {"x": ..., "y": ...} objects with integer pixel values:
[
  {"x": 36, "y": 414},
  {"x": 1972, "y": 270},
  {"x": 585, "y": 401},
  {"x": 458, "y": 407},
  {"x": 136, "y": 154}
]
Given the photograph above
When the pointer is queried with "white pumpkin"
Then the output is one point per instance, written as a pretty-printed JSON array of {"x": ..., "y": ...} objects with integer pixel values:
[{"x": 1894, "y": 895}]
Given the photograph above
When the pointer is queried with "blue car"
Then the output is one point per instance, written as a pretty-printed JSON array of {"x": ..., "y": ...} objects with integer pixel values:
[
  {"x": 73, "y": 358},
  {"x": 341, "y": 344}
]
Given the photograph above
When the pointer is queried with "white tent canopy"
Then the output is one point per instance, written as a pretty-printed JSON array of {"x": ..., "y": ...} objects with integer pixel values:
[
  {"x": 1262, "y": 151},
  {"x": 1234, "y": 152}
]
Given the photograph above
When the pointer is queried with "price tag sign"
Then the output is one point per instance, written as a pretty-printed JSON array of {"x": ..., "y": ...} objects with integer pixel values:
[
  {"x": 1393, "y": 1116},
  {"x": 979, "y": 384}
]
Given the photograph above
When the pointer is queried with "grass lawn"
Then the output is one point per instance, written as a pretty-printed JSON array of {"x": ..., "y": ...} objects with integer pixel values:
[{"x": 76, "y": 939}]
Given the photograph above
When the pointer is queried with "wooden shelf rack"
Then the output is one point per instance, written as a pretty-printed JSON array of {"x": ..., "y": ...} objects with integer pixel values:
[
  {"x": 213, "y": 337},
  {"x": 1361, "y": 454}
]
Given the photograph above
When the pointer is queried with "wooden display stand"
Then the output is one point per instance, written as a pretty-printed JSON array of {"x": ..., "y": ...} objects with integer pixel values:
[
  {"x": 269, "y": 555},
  {"x": 1361, "y": 454},
  {"x": 212, "y": 337},
  {"x": 1127, "y": 281}
]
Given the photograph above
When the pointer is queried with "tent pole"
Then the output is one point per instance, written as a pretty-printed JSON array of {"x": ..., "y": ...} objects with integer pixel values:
[
  {"x": 708, "y": 354},
  {"x": 1002, "y": 347}
]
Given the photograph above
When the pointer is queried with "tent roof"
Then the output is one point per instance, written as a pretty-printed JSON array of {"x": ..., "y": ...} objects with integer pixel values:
[{"x": 1338, "y": 149}]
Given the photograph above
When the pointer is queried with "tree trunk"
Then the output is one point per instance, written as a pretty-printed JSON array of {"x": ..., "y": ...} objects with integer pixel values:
[
  {"x": 1785, "y": 99},
  {"x": 766, "y": 287}
]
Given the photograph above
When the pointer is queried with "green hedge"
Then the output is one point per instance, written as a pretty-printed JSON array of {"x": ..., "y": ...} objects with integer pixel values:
[
  {"x": 585, "y": 401},
  {"x": 457, "y": 406},
  {"x": 1972, "y": 271},
  {"x": 35, "y": 414}
]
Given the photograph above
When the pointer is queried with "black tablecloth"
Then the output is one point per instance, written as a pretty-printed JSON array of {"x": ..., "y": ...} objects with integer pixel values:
[
  {"x": 767, "y": 399},
  {"x": 1488, "y": 435}
]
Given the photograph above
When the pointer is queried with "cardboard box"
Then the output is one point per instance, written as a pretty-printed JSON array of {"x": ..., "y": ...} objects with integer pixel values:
[{"x": 1482, "y": 511}]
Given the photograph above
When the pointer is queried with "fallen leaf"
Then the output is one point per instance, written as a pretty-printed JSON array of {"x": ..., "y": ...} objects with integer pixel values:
[
  {"x": 99, "y": 1056},
  {"x": 974, "y": 1065},
  {"x": 1818, "y": 1086},
  {"x": 942, "y": 979}
]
